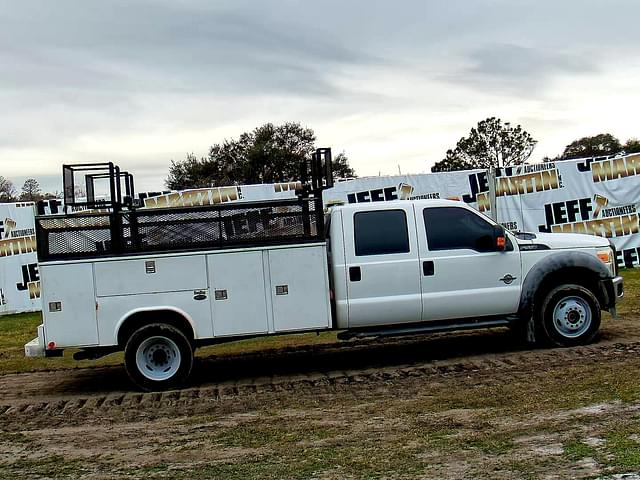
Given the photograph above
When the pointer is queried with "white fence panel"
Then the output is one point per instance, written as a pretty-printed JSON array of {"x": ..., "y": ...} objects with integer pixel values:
[{"x": 19, "y": 277}]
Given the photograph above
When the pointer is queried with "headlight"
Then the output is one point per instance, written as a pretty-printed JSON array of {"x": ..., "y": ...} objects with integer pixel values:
[{"x": 607, "y": 257}]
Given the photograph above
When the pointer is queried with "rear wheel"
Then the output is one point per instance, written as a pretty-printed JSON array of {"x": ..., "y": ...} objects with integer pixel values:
[
  {"x": 158, "y": 357},
  {"x": 569, "y": 315}
]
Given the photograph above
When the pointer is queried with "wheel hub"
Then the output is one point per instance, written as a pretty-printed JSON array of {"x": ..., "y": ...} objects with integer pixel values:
[
  {"x": 572, "y": 316},
  {"x": 158, "y": 358}
]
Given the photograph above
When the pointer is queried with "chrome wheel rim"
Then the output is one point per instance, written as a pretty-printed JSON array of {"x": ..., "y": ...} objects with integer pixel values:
[
  {"x": 158, "y": 358},
  {"x": 572, "y": 316}
]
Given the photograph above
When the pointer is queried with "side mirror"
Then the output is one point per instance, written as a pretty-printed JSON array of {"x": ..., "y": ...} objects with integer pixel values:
[{"x": 499, "y": 238}]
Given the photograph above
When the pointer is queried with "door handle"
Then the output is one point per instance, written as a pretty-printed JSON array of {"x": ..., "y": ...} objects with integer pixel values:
[
  {"x": 428, "y": 269},
  {"x": 355, "y": 275}
]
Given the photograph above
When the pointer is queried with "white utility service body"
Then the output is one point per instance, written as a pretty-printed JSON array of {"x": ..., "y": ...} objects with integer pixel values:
[
  {"x": 234, "y": 292},
  {"x": 382, "y": 268}
]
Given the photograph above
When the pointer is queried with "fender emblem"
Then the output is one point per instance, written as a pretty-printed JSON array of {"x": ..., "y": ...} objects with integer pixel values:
[
  {"x": 199, "y": 294},
  {"x": 508, "y": 279}
]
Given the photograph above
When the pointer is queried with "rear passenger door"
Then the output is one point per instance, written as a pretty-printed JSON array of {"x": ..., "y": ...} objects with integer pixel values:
[
  {"x": 383, "y": 274},
  {"x": 463, "y": 275}
]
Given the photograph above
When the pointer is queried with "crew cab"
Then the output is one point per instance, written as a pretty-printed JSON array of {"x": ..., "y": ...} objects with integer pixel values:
[
  {"x": 441, "y": 264},
  {"x": 158, "y": 283}
]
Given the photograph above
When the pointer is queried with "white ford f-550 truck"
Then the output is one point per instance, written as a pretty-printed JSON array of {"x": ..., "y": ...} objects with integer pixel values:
[{"x": 158, "y": 283}]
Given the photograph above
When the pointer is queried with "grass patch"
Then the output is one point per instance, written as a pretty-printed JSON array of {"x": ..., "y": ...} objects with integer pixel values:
[
  {"x": 623, "y": 451},
  {"x": 52, "y": 466},
  {"x": 630, "y": 304},
  {"x": 576, "y": 450},
  {"x": 492, "y": 445},
  {"x": 620, "y": 451},
  {"x": 261, "y": 434},
  {"x": 18, "y": 329}
]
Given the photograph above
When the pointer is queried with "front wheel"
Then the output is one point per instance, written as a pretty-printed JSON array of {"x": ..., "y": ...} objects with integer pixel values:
[
  {"x": 158, "y": 357},
  {"x": 570, "y": 315}
]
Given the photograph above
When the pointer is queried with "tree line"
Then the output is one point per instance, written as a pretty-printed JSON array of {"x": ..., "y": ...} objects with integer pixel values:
[
  {"x": 268, "y": 154},
  {"x": 493, "y": 143},
  {"x": 30, "y": 191},
  {"x": 600, "y": 145},
  {"x": 273, "y": 153}
]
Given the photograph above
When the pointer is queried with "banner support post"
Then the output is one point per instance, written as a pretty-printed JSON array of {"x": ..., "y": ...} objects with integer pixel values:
[{"x": 493, "y": 204}]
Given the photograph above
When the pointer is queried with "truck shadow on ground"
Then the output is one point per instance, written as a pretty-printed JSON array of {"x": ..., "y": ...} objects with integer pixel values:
[
  {"x": 354, "y": 355},
  {"x": 308, "y": 359}
]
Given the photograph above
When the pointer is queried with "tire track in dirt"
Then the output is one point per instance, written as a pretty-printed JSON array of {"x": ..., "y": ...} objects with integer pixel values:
[{"x": 120, "y": 402}]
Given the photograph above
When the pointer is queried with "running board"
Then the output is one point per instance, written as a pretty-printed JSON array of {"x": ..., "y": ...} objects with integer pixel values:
[{"x": 426, "y": 328}]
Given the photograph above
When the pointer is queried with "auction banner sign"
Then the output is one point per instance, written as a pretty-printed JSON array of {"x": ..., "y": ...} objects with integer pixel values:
[
  {"x": 596, "y": 196},
  {"x": 447, "y": 185},
  {"x": 19, "y": 277},
  {"x": 217, "y": 195}
]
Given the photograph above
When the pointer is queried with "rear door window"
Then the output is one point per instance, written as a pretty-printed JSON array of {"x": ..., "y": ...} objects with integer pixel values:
[{"x": 381, "y": 232}]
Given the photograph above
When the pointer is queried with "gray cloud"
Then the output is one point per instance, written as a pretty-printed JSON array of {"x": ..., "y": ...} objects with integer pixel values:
[
  {"x": 111, "y": 46},
  {"x": 519, "y": 69},
  {"x": 517, "y": 61},
  {"x": 73, "y": 70}
]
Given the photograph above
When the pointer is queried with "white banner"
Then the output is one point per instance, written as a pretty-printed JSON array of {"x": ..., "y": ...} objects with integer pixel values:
[
  {"x": 19, "y": 277},
  {"x": 216, "y": 195},
  {"x": 595, "y": 196},
  {"x": 451, "y": 185}
]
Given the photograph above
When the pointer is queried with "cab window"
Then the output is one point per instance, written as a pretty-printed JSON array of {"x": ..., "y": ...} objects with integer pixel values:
[
  {"x": 452, "y": 228},
  {"x": 381, "y": 232}
]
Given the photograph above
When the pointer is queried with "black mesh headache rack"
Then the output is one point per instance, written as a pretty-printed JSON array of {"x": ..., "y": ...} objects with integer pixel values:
[{"x": 111, "y": 227}]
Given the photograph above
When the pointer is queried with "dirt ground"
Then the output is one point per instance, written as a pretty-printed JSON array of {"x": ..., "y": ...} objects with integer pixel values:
[{"x": 467, "y": 405}]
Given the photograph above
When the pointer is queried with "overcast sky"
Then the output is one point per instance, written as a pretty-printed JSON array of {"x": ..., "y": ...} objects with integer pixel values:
[{"x": 389, "y": 82}]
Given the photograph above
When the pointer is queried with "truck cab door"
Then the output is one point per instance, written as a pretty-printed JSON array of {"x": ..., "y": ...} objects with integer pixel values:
[
  {"x": 382, "y": 269},
  {"x": 463, "y": 274}
]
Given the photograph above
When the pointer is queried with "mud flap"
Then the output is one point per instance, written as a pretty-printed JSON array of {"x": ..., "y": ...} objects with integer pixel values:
[
  {"x": 531, "y": 330},
  {"x": 612, "y": 290}
]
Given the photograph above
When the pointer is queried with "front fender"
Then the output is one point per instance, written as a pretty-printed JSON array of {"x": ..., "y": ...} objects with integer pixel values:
[{"x": 555, "y": 263}]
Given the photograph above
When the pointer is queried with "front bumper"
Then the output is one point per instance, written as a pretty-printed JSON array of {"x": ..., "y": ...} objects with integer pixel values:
[
  {"x": 614, "y": 291},
  {"x": 618, "y": 287}
]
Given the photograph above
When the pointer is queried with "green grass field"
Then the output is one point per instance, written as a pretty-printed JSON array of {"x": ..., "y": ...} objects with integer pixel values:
[{"x": 16, "y": 330}]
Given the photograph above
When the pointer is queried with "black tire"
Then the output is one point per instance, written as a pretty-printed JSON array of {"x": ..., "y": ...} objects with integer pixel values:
[
  {"x": 158, "y": 357},
  {"x": 569, "y": 315}
]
